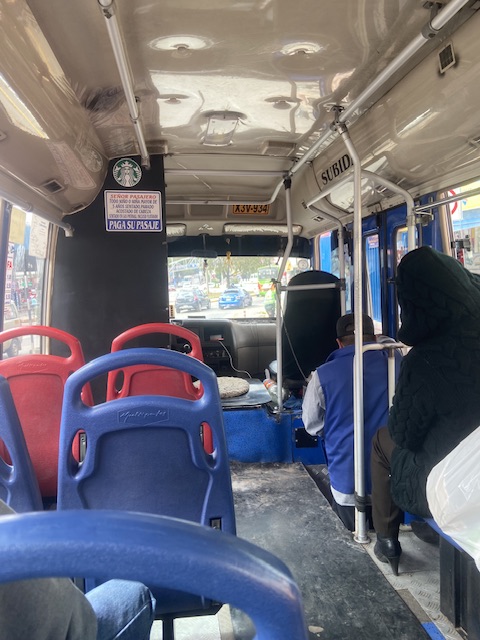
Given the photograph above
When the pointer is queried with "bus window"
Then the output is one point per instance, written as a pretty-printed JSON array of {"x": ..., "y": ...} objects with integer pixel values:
[
  {"x": 400, "y": 246},
  {"x": 24, "y": 277},
  {"x": 325, "y": 245},
  {"x": 401, "y": 243},
  {"x": 372, "y": 281},
  {"x": 465, "y": 216},
  {"x": 335, "y": 269}
]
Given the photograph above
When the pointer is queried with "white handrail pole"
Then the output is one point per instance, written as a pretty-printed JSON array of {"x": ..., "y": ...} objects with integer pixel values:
[
  {"x": 359, "y": 451},
  {"x": 123, "y": 66},
  {"x": 286, "y": 255}
]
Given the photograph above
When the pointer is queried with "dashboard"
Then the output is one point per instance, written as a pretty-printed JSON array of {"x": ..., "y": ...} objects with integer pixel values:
[{"x": 233, "y": 347}]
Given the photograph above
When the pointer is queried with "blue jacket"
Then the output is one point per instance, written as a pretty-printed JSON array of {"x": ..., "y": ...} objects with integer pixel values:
[{"x": 336, "y": 380}]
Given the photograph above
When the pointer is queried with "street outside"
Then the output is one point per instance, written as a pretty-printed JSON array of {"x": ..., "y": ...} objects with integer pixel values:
[{"x": 256, "y": 310}]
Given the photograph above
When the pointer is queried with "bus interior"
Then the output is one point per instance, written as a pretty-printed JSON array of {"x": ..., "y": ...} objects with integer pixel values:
[{"x": 185, "y": 164}]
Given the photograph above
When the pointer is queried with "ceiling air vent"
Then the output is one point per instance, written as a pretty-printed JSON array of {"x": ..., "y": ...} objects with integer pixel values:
[
  {"x": 52, "y": 186},
  {"x": 278, "y": 148},
  {"x": 446, "y": 58}
]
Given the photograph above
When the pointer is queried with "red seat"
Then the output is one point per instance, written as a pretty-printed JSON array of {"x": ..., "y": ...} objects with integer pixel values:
[
  {"x": 153, "y": 380},
  {"x": 37, "y": 383}
]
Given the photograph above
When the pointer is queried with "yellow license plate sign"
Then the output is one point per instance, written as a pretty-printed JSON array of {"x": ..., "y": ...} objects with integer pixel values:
[{"x": 251, "y": 209}]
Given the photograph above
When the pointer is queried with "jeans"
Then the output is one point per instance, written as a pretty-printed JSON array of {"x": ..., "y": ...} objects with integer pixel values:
[{"x": 125, "y": 610}]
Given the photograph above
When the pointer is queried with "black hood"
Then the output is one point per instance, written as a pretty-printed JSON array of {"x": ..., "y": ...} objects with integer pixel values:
[{"x": 437, "y": 295}]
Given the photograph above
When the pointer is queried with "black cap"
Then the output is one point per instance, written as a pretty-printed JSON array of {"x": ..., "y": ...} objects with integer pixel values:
[{"x": 346, "y": 326}]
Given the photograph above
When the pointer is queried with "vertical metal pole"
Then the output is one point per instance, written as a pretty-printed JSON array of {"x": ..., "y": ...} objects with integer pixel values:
[
  {"x": 5, "y": 215},
  {"x": 411, "y": 229},
  {"x": 278, "y": 285},
  {"x": 391, "y": 375},
  {"x": 359, "y": 451},
  {"x": 341, "y": 263}
]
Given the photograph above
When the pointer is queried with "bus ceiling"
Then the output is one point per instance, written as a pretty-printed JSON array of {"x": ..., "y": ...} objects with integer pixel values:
[{"x": 234, "y": 117}]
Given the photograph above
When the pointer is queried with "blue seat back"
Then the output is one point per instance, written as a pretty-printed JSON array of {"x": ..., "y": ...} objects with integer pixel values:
[
  {"x": 145, "y": 453},
  {"x": 159, "y": 551},
  {"x": 18, "y": 482}
]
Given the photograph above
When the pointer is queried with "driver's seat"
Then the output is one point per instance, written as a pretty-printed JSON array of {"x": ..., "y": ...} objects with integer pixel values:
[{"x": 308, "y": 327}]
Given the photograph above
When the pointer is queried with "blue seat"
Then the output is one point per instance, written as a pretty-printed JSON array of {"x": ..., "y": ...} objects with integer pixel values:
[
  {"x": 164, "y": 552},
  {"x": 18, "y": 482},
  {"x": 431, "y": 522},
  {"x": 145, "y": 453}
]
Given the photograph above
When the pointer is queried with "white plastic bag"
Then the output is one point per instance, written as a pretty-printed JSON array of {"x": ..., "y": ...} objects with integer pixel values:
[{"x": 453, "y": 494}]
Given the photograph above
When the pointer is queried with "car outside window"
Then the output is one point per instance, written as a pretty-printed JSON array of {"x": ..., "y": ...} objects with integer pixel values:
[{"x": 234, "y": 287}]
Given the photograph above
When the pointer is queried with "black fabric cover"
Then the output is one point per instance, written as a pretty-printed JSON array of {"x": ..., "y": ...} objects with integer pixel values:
[
  {"x": 437, "y": 397},
  {"x": 309, "y": 325}
]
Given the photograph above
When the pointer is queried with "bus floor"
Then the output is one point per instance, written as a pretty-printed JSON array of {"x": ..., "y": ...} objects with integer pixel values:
[{"x": 347, "y": 593}]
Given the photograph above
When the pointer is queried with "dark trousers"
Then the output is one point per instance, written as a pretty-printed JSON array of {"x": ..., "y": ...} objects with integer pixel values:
[
  {"x": 347, "y": 515},
  {"x": 387, "y": 517}
]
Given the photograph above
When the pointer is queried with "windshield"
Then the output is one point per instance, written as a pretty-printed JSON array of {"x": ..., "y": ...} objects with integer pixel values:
[{"x": 234, "y": 287}]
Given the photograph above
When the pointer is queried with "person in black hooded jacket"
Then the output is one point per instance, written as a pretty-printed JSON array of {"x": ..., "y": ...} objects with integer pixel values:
[{"x": 437, "y": 397}]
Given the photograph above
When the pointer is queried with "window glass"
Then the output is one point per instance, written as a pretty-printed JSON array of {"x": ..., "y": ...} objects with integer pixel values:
[
  {"x": 465, "y": 216},
  {"x": 335, "y": 269},
  {"x": 227, "y": 286},
  {"x": 401, "y": 243},
  {"x": 24, "y": 278},
  {"x": 373, "y": 304},
  {"x": 400, "y": 239},
  {"x": 325, "y": 250}
]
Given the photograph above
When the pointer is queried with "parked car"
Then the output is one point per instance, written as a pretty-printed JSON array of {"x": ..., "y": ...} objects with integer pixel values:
[
  {"x": 191, "y": 300},
  {"x": 234, "y": 297},
  {"x": 11, "y": 319}
]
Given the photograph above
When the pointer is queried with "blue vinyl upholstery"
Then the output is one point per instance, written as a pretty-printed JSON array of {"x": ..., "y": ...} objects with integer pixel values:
[
  {"x": 18, "y": 482},
  {"x": 164, "y": 552},
  {"x": 435, "y": 527},
  {"x": 145, "y": 453}
]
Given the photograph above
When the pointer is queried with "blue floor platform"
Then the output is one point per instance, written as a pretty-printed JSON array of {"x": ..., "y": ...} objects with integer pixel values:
[{"x": 256, "y": 434}]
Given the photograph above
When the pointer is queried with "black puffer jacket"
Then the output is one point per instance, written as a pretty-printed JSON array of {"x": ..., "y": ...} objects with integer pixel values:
[{"x": 437, "y": 397}]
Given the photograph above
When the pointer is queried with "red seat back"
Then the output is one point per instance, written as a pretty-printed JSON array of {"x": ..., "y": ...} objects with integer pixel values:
[
  {"x": 154, "y": 380},
  {"x": 37, "y": 382}
]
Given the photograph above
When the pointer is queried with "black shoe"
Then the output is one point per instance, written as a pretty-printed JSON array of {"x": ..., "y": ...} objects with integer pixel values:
[
  {"x": 424, "y": 532},
  {"x": 388, "y": 550}
]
